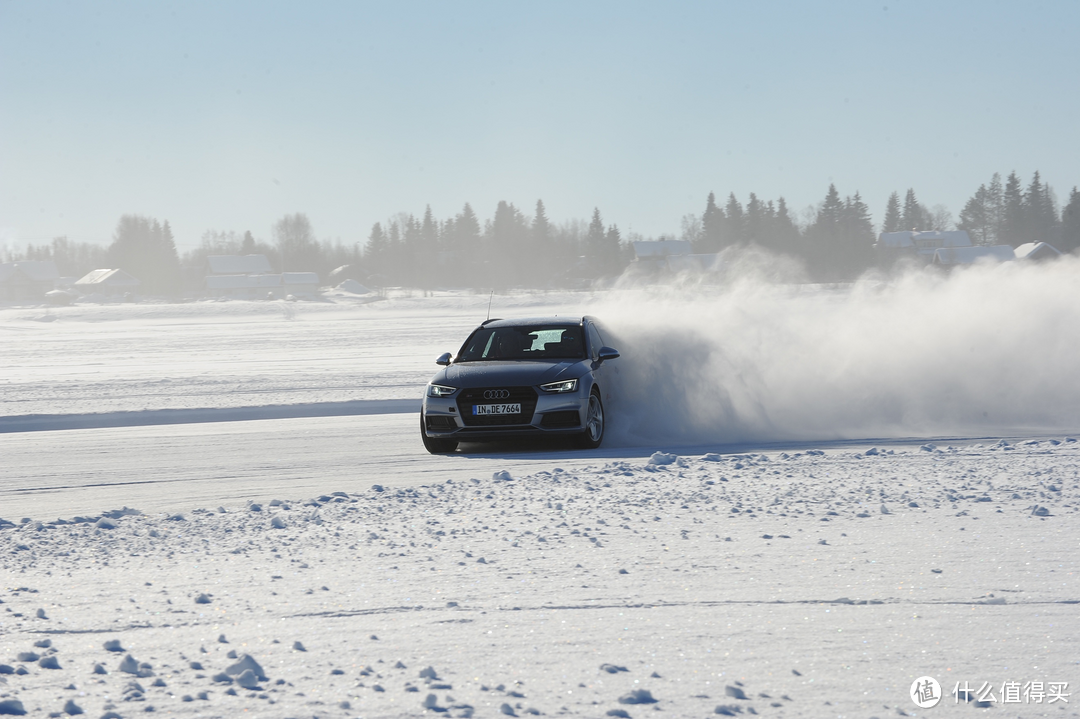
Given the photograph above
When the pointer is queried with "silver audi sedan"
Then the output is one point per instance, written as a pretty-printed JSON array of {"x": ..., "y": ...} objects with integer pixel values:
[{"x": 520, "y": 378}]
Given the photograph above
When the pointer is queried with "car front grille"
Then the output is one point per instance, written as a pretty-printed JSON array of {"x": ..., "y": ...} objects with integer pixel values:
[{"x": 525, "y": 396}]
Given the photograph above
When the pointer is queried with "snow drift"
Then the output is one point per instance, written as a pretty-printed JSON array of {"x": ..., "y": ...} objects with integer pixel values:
[{"x": 990, "y": 349}]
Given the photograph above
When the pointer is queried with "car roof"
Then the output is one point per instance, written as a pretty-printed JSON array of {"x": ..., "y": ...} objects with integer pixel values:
[{"x": 528, "y": 321}]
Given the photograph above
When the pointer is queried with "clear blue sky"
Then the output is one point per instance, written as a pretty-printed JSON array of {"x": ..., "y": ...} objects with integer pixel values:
[{"x": 227, "y": 115}]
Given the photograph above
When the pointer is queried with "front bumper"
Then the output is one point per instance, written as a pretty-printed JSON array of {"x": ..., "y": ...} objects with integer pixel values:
[{"x": 552, "y": 414}]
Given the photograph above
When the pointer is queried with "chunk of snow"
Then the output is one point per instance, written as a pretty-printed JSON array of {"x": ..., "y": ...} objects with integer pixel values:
[{"x": 245, "y": 662}]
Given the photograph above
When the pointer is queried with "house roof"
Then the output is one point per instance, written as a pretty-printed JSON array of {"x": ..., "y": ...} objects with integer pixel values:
[
  {"x": 238, "y": 282},
  {"x": 946, "y": 238},
  {"x": 896, "y": 239},
  {"x": 107, "y": 278},
  {"x": 1036, "y": 250},
  {"x": 239, "y": 264},
  {"x": 36, "y": 270}
]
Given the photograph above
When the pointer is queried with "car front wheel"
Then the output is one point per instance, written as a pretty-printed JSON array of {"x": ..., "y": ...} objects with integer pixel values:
[
  {"x": 434, "y": 444},
  {"x": 594, "y": 423}
]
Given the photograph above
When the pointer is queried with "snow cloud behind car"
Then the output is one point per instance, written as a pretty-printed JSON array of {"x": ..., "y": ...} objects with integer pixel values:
[{"x": 991, "y": 349}]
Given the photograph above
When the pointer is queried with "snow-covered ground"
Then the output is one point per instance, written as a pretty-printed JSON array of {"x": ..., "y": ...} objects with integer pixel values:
[
  {"x": 762, "y": 532},
  {"x": 812, "y": 584},
  {"x": 132, "y": 357}
]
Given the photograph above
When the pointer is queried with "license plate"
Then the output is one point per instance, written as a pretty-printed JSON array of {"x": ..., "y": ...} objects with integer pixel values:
[{"x": 479, "y": 409}]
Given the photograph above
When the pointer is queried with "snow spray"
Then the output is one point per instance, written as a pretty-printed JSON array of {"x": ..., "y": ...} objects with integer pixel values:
[{"x": 984, "y": 350}]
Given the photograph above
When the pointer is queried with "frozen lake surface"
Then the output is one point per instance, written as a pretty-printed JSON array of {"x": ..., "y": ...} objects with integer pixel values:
[{"x": 794, "y": 576}]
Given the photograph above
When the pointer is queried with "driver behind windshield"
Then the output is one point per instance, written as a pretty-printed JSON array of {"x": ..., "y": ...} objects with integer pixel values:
[{"x": 523, "y": 343}]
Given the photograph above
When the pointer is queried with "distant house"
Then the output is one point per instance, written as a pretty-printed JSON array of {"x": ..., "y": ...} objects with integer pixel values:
[
  {"x": 300, "y": 284},
  {"x": 27, "y": 280},
  {"x": 671, "y": 256},
  {"x": 244, "y": 287},
  {"x": 250, "y": 277},
  {"x": 969, "y": 255},
  {"x": 921, "y": 244},
  {"x": 238, "y": 265},
  {"x": 107, "y": 282},
  {"x": 1037, "y": 251},
  {"x": 653, "y": 249}
]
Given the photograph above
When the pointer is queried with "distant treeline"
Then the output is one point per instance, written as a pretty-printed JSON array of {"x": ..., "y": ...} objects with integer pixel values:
[{"x": 834, "y": 240}]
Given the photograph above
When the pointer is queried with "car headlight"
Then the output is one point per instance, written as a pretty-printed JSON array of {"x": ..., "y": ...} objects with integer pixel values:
[
  {"x": 438, "y": 390},
  {"x": 566, "y": 385}
]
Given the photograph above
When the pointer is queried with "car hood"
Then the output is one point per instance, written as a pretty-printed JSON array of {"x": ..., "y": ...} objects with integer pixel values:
[{"x": 508, "y": 374}]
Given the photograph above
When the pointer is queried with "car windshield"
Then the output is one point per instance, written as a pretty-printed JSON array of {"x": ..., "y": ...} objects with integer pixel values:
[{"x": 530, "y": 342}]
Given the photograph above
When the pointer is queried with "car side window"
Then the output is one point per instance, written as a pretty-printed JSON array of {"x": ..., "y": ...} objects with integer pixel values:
[{"x": 595, "y": 343}]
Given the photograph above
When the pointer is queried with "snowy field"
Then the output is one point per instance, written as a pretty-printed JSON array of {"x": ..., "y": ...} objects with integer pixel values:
[
  {"x": 809, "y": 497},
  {"x": 133, "y": 357},
  {"x": 812, "y": 584}
]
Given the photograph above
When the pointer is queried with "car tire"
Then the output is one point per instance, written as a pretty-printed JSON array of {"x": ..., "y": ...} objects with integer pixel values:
[
  {"x": 593, "y": 435},
  {"x": 434, "y": 445}
]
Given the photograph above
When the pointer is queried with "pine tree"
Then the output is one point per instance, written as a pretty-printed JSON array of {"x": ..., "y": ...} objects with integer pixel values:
[
  {"x": 856, "y": 241},
  {"x": 914, "y": 215},
  {"x": 466, "y": 231},
  {"x": 831, "y": 211},
  {"x": 395, "y": 259},
  {"x": 507, "y": 237},
  {"x": 447, "y": 234},
  {"x": 539, "y": 252},
  {"x": 736, "y": 222},
  {"x": 1070, "y": 223},
  {"x": 541, "y": 228},
  {"x": 768, "y": 234},
  {"x": 975, "y": 217},
  {"x": 145, "y": 249},
  {"x": 787, "y": 234},
  {"x": 859, "y": 227},
  {"x": 995, "y": 209},
  {"x": 425, "y": 249},
  {"x": 1040, "y": 213},
  {"x": 377, "y": 249},
  {"x": 594, "y": 244},
  {"x": 755, "y": 221},
  {"x": 411, "y": 235},
  {"x": 602, "y": 247},
  {"x": 172, "y": 278},
  {"x": 712, "y": 227},
  {"x": 247, "y": 246},
  {"x": 893, "y": 221},
  {"x": 825, "y": 237},
  {"x": 612, "y": 247},
  {"x": 429, "y": 232},
  {"x": 1012, "y": 219}
]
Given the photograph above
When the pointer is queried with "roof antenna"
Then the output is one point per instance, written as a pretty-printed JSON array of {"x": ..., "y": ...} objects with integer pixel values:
[{"x": 489, "y": 304}]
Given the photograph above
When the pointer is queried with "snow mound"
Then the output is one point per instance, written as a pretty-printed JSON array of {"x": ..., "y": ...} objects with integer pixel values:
[
  {"x": 353, "y": 287},
  {"x": 662, "y": 458},
  {"x": 246, "y": 662}
]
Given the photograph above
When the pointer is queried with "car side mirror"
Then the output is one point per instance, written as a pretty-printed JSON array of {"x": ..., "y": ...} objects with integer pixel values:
[
  {"x": 607, "y": 353},
  {"x": 444, "y": 359}
]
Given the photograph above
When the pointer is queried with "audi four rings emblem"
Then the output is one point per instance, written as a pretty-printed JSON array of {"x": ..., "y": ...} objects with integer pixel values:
[{"x": 496, "y": 394}]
